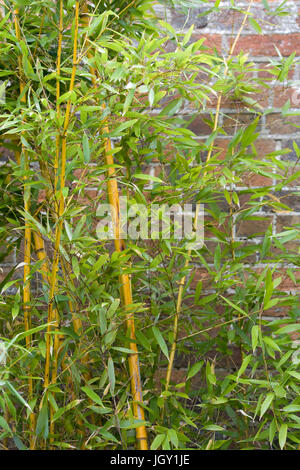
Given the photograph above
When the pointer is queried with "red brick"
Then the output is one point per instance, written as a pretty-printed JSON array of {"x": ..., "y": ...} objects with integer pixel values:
[
  {"x": 232, "y": 122},
  {"x": 276, "y": 124},
  {"x": 264, "y": 147},
  {"x": 210, "y": 224},
  {"x": 244, "y": 199},
  {"x": 212, "y": 41},
  {"x": 248, "y": 228},
  {"x": 201, "y": 274},
  {"x": 198, "y": 125},
  {"x": 220, "y": 148},
  {"x": 230, "y": 102},
  {"x": 264, "y": 71},
  {"x": 253, "y": 179},
  {"x": 258, "y": 45},
  {"x": 286, "y": 221},
  {"x": 287, "y": 283},
  {"x": 282, "y": 94},
  {"x": 291, "y": 171},
  {"x": 277, "y": 312},
  {"x": 262, "y": 97}
]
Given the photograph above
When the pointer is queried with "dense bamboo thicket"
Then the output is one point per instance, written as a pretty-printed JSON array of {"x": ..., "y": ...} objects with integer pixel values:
[{"x": 99, "y": 99}]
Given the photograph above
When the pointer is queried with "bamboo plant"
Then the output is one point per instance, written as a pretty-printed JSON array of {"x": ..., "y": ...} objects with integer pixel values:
[{"x": 100, "y": 102}]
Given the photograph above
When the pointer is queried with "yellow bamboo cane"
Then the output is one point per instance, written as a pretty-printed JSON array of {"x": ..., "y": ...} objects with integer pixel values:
[
  {"x": 40, "y": 249},
  {"x": 126, "y": 294},
  {"x": 77, "y": 323},
  {"x": 42, "y": 256},
  {"x": 56, "y": 164},
  {"x": 27, "y": 237},
  {"x": 125, "y": 283},
  {"x": 52, "y": 316},
  {"x": 58, "y": 69},
  {"x": 56, "y": 340}
]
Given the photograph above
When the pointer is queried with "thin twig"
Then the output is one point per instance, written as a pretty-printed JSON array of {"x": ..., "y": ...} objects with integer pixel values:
[{"x": 182, "y": 281}]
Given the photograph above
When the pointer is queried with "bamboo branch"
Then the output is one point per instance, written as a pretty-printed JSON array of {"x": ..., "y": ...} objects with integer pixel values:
[
  {"x": 188, "y": 259},
  {"x": 178, "y": 310}
]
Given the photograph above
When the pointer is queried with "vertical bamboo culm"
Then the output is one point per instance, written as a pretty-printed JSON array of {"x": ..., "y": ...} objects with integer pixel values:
[
  {"x": 27, "y": 238},
  {"x": 125, "y": 284},
  {"x": 61, "y": 143},
  {"x": 42, "y": 256},
  {"x": 126, "y": 294}
]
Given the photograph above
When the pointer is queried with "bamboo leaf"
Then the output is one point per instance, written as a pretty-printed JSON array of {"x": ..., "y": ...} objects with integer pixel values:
[
  {"x": 111, "y": 375},
  {"x": 5, "y": 425},
  {"x": 160, "y": 340},
  {"x": 92, "y": 395},
  {"x": 194, "y": 369},
  {"x": 142, "y": 176},
  {"x": 42, "y": 428},
  {"x": 254, "y": 336},
  {"x": 86, "y": 148},
  {"x": 266, "y": 404},
  {"x": 157, "y": 442},
  {"x": 283, "y": 435}
]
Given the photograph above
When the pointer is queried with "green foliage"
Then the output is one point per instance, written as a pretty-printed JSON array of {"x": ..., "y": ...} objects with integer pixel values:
[{"x": 148, "y": 76}]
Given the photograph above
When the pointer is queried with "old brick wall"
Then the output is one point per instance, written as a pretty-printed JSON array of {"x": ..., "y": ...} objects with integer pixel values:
[{"x": 280, "y": 33}]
